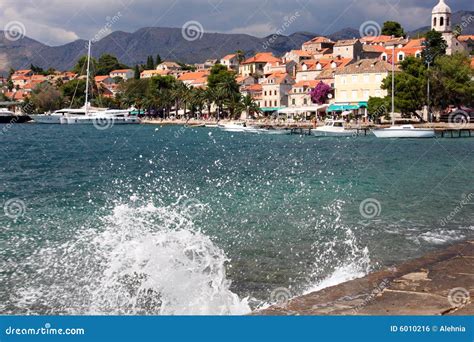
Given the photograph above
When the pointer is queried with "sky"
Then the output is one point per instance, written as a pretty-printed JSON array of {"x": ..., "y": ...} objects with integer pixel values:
[{"x": 56, "y": 22}]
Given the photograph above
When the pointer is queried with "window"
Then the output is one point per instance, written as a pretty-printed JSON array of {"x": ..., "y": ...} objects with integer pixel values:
[
  {"x": 305, "y": 101},
  {"x": 293, "y": 102},
  {"x": 441, "y": 21},
  {"x": 378, "y": 78},
  {"x": 275, "y": 103},
  {"x": 401, "y": 56},
  {"x": 447, "y": 21},
  {"x": 265, "y": 92},
  {"x": 384, "y": 58},
  {"x": 343, "y": 94},
  {"x": 366, "y": 78},
  {"x": 354, "y": 94},
  {"x": 354, "y": 78},
  {"x": 378, "y": 93},
  {"x": 366, "y": 94},
  {"x": 434, "y": 21}
]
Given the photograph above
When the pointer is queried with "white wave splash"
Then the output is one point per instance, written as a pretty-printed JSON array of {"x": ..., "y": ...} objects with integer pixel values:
[
  {"x": 145, "y": 260},
  {"x": 339, "y": 255}
]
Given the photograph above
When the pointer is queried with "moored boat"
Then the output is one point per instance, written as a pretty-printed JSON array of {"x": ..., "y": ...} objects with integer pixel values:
[
  {"x": 8, "y": 117},
  {"x": 404, "y": 131},
  {"x": 333, "y": 128}
]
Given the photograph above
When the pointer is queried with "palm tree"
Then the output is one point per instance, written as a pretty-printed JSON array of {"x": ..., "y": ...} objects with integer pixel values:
[
  {"x": 240, "y": 56},
  {"x": 250, "y": 105},
  {"x": 210, "y": 97}
]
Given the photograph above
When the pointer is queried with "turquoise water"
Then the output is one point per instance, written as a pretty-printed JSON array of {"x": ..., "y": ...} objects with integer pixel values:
[{"x": 173, "y": 220}]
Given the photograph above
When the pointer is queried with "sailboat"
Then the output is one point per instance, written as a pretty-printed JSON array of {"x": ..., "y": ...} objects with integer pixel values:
[
  {"x": 401, "y": 131},
  {"x": 87, "y": 115}
]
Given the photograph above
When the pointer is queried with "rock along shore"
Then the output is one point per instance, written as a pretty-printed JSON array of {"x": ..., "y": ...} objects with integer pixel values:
[{"x": 439, "y": 283}]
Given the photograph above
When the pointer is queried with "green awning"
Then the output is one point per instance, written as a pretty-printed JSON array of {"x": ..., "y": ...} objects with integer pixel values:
[
  {"x": 342, "y": 107},
  {"x": 363, "y": 104},
  {"x": 271, "y": 109}
]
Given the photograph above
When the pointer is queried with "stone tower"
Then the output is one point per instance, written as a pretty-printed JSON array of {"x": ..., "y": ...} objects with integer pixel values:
[{"x": 441, "y": 18}]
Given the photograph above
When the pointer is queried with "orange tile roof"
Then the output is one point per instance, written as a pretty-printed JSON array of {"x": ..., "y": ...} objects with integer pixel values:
[
  {"x": 278, "y": 76},
  {"x": 120, "y": 71},
  {"x": 318, "y": 40},
  {"x": 254, "y": 87},
  {"x": 17, "y": 95},
  {"x": 301, "y": 53},
  {"x": 415, "y": 43},
  {"x": 262, "y": 57},
  {"x": 189, "y": 76},
  {"x": 465, "y": 37},
  {"x": 376, "y": 39},
  {"x": 23, "y": 71},
  {"x": 155, "y": 72},
  {"x": 229, "y": 56},
  {"x": 100, "y": 78},
  {"x": 307, "y": 83}
]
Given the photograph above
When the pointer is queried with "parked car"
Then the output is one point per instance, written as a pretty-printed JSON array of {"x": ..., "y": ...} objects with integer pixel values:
[{"x": 459, "y": 115}]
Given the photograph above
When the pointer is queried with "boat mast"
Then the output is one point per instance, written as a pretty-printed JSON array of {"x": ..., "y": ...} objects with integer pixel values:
[
  {"x": 87, "y": 79},
  {"x": 393, "y": 85}
]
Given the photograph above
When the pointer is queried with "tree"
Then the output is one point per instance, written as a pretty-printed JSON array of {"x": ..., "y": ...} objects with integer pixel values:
[
  {"x": 240, "y": 56},
  {"x": 107, "y": 63},
  {"x": 136, "y": 72},
  {"x": 158, "y": 60},
  {"x": 393, "y": 28},
  {"x": 435, "y": 46},
  {"x": 410, "y": 86},
  {"x": 159, "y": 93},
  {"x": 250, "y": 106},
  {"x": 452, "y": 81},
  {"x": 378, "y": 106},
  {"x": 133, "y": 92},
  {"x": 74, "y": 92},
  {"x": 150, "y": 64},
  {"x": 81, "y": 66},
  {"x": 46, "y": 98},
  {"x": 319, "y": 94}
]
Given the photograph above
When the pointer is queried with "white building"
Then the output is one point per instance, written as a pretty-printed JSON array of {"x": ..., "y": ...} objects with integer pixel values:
[{"x": 441, "y": 22}]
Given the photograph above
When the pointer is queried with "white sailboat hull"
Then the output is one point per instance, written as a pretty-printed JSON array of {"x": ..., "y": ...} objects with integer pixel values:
[
  {"x": 46, "y": 119},
  {"x": 100, "y": 120},
  {"x": 394, "y": 132},
  {"x": 322, "y": 132}
]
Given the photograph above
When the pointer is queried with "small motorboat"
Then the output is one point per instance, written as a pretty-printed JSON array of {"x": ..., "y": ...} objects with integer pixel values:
[
  {"x": 233, "y": 127},
  {"x": 333, "y": 128},
  {"x": 8, "y": 117}
]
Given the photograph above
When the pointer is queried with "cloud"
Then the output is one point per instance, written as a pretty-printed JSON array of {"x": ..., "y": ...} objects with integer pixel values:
[{"x": 59, "y": 21}]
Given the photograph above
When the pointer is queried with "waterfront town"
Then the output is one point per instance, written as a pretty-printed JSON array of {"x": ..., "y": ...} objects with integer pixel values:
[{"x": 349, "y": 78}]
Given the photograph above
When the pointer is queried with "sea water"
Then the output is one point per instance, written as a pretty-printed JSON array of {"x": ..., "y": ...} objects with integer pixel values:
[{"x": 174, "y": 220}]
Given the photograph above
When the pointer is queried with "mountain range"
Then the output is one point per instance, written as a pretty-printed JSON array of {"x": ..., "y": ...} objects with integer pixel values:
[{"x": 133, "y": 48}]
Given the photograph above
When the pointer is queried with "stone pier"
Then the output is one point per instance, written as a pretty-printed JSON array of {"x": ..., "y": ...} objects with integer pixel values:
[{"x": 439, "y": 283}]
